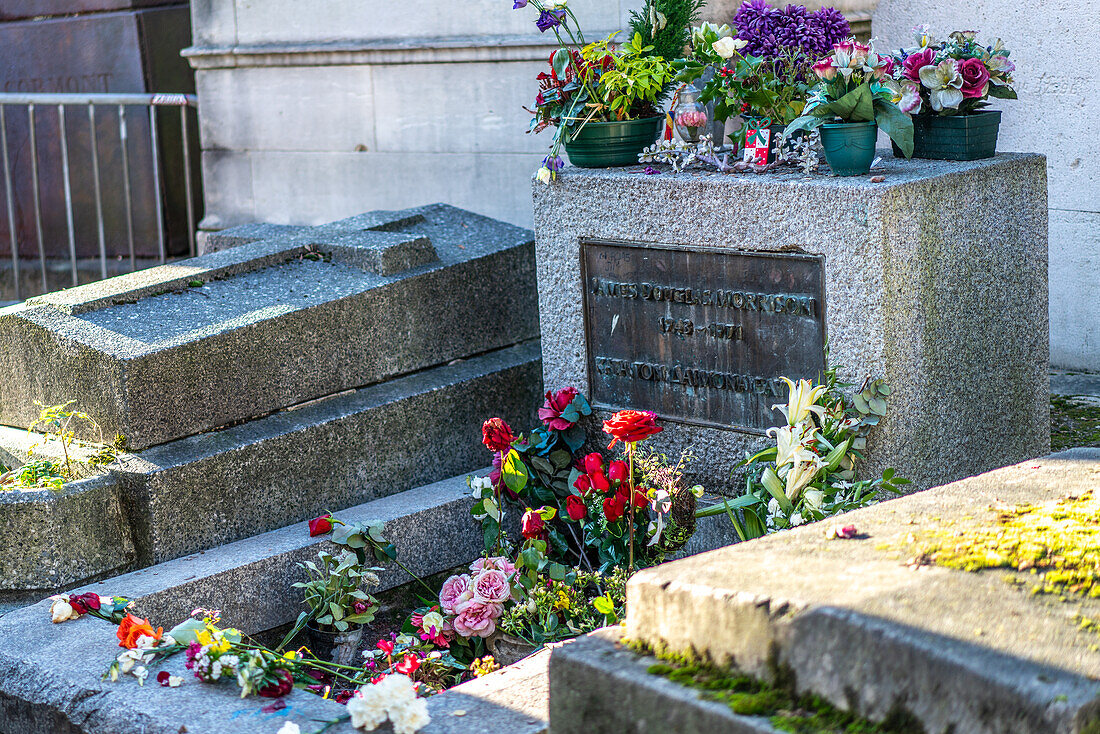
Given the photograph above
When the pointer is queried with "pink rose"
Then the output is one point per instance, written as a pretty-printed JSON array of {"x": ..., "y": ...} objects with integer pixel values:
[
  {"x": 555, "y": 405},
  {"x": 477, "y": 619},
  {"x": 910, "y": 68},
  {"x": 491, "y": 586},
  {"x": 825, "y": 69},
  {"x": 456, "y": 591},
  {"x": 975, "y": 78},
  {"x": 500, "y": 563}
]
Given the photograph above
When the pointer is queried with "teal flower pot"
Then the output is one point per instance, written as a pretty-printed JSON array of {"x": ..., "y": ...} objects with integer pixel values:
[
  {"x": 606, "y": 144},
  {"x": 955, "y": 137},
  {"x": 849, "y": 146}
]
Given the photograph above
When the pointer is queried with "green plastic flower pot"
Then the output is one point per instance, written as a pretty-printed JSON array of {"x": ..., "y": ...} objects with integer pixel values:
[
  {"x": 605, "y": 144},
  {"x": 955, "y": 137},
  {"x": 849, "y": 146}
]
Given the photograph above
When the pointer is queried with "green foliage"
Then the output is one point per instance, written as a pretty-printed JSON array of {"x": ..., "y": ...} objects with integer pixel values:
[
  {"x": 334, "y": 587},
  {"x": 852, "y": 99},
  {"x": 1074, "y": 422},
  {"x": 630, "y": 88},
  {"x": 35, "y": 474},
  {"x": 561, "y": 608},
  {"x": 360, "y": 537},
  {"x": 665, "y": 25},
  {"x": 59, "y": 423}
]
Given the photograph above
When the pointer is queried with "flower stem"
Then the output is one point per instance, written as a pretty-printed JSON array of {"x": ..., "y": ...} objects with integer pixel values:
[{"x": 630, "y": 460}]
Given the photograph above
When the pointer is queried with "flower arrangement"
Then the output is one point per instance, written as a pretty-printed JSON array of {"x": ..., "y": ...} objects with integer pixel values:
[
  {"x": 763, "y": 63},
  {"x": 602, "y": 81},
  {"x": 956, "y": 76},
  {"x": 810, "y": 473},
  {"x": 855, "y": 87}
]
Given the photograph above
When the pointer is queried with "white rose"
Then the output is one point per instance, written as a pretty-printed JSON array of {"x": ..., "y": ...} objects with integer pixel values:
[
  {"x": 432, "y": 619},
  {"x": 61, "y": 610},
  {"x": 724, "y": 47},
  {"x": 289, "y": 728},
  {"x": 543, "y": 175},
  {"x": 814, "y": 498}
]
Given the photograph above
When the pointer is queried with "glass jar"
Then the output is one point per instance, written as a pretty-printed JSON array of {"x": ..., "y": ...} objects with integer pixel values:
[{"x": 690, "y": 116}]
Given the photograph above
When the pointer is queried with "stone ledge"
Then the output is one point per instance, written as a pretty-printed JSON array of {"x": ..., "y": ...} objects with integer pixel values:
[
  {"x": 598, "y": 685},
  {"x": 859, "y": 627}
]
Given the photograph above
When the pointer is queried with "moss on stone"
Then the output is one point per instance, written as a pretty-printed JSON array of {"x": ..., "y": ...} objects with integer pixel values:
[
  {"x": 784, "y": 708},
  {"x": 1073, "y": 423}
]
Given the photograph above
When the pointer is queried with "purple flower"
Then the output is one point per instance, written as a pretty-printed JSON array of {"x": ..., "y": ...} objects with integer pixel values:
[
  {"x": 554, "y": 163},
  {"x": 650, "y": 171},
  {"x": 550, "y": 19},
  {"x": 519, "y": 4}
]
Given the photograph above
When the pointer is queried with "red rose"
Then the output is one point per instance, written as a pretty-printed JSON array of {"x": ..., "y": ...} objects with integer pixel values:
[
  {"x": 910, "y": 68},
  {"x": 496, "y": 435},
  {"x": 618, "y": 471},
  {"x": 599, "y": 481},
  {"x": 408, "y": 665},
  {"x": 282, "y": 686},
  {"x": 574, "y": 507},
  {"x": 613, "y": 508},
  {"x": 162, "y": 677},
  {"x": 555, "y": 405},
  {"x": 631, "y": 426},
  {"x": 83, "y": 603},
  {"x": 344, "y": 696},
  {"x": 320, "y": 525},
  {"x": 975, "y": 78},
  {"x": 583, "y": 484},
  {"x": 532, "y": 525},
  {"x": 593, "y": 464}
]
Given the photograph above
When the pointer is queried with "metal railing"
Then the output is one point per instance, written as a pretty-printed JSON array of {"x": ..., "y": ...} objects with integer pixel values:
[{"x": 101, "y": 110}]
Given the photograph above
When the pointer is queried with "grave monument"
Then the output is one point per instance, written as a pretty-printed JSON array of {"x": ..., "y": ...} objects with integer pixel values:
[{"x": 691, "y": 294}]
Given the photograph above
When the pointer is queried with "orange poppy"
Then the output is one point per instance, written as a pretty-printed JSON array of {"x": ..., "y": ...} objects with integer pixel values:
[{"x": 133, "y": 628}]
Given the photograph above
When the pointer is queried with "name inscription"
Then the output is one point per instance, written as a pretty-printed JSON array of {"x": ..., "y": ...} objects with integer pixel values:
[{"x": 700, "y": 336}]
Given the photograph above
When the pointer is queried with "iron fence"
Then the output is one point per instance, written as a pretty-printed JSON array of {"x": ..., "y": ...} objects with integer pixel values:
[{"x": 143, "y": 164}]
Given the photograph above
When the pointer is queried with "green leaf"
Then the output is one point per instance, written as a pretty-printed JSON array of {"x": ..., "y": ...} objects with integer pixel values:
[
  {"x": 832, "y": 461},
  {"x": 514, "y": 472},
  {"x": 556, "y": 571},
  {"x": 604, "y": 605},
  {"x": 185, "y": 631},
  {"x": 1002, "y": 91},
  {"x": 805, "y": 122},
  {"x": 896, "y": 124},
  {"x": 774, "y": 485},
  {"x": 560, "y": 61},
  {"x": 855, "y": 106}
]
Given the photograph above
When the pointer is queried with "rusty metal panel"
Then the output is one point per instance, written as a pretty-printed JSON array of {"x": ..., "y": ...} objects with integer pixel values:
[
  {"x": 700, "y": 336},
  {"x": 133, "y": 51}
]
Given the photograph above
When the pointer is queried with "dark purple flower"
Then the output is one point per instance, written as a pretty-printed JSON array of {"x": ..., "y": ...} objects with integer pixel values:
[
  {"x": 554, "y": 163},
  {"x": 519, "y": 4},
  {"x": 650, "y": 171},
  {"x": 550, "y": 19}
]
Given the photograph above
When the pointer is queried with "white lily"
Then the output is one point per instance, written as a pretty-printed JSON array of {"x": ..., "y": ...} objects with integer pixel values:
[
  {"x": 543, "y": 175},
  {"x": 801, "y": 401},
  {"x": 790, "y": 443},
  {"x": 799, "y": 475}
]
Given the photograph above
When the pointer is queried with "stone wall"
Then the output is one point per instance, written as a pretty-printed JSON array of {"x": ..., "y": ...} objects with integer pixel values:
[{"x": 1058, "y": 115}]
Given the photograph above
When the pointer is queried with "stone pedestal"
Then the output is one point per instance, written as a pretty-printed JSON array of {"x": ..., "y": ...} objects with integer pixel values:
[{"x": 934, "y": 278}]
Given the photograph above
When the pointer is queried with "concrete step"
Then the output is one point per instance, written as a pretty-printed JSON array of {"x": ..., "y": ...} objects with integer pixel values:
[
  {"x": 853, "y": 622},
  {"x": 199, "y": 492},
  {"x": 598, "y": 686},
  {"x": 512, "y": 700},
  {"x": 176, "y": 350}
]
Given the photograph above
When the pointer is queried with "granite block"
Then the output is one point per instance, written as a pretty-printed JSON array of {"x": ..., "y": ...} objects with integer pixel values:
[
  {"x": 855, "y": 622},
  {"x": 935, "y": 280},
  {"x": 154, "y": 358}
]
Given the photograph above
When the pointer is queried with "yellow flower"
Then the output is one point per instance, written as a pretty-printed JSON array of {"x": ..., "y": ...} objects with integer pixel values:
[
  {"x": 204, "y": 638},
  {"x": 563, "y": 601}
]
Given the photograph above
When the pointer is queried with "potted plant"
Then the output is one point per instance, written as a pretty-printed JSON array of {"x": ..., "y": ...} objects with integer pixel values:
[
  {"x": 849, "y": 104},
  {"x": 602, "y": 98},
  {"x": 945, "y": 86},
  {"x": 337, "y": 604},
  {"x": 763, "y": 68}
]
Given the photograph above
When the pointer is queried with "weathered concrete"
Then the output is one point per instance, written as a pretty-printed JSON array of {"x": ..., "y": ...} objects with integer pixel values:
[
  {"x": 514, "y": 700},
  {"x": 963, "y": 652},
  {"x": 597, "y": 686},
  {"x": 154, "y": 359},
  {"x": 200, "y": 492},
  {"x": 935, "y": 279}
]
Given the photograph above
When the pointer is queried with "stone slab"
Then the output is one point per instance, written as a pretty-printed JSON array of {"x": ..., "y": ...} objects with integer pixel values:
[
  {"x": 1074, "y": 383},
  {"x": 855, "y": 624},
  {"x": 202, "y": 491},
  {"x": 598, "y": 685},
  {"x": 514, "y": 699},
  {"x": 945, "y": 300},
  {"x": 268, "y": 328}
]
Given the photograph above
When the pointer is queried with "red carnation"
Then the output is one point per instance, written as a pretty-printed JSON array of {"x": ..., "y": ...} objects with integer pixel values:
[
  {"x": 555, "y": 405},
  {"x": 613, "y": 508},
  {"x": 408, "y": 665},
  {"x": 162, "y": 677},
  {"x": 320, "y": 525},
  {"x": 344, "y": 696},
  {"x": 574, "y": 507},
  {"x": 83, "y": 603},
  {"x": 631, "y": 426},
  {"x": 281, "y": 687},
  {"x": 532, "y": 525},
  {"x": 497, "y": 435}
]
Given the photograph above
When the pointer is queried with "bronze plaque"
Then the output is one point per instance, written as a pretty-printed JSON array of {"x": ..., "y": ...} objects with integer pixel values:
[{"x": 700, "y": 336}]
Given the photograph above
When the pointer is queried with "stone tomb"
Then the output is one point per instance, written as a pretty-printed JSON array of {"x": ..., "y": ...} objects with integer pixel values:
[
  {"x": 262, "y": 385},
  {"x": 690, "y": 295}
]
